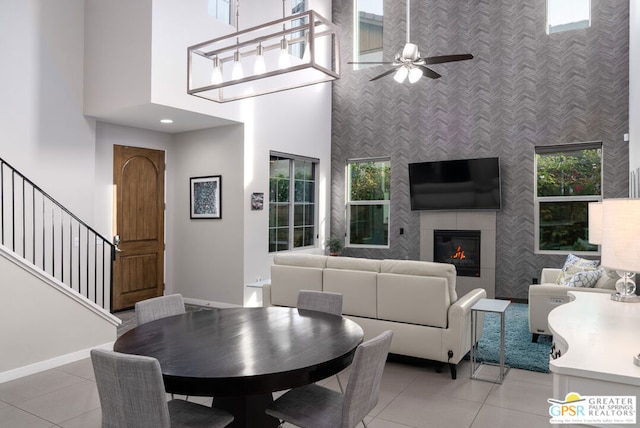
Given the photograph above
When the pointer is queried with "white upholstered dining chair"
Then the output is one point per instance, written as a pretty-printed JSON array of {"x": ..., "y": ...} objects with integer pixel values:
[
  {"x": 313, "y": 406},
  {"x": 132, "y": 394}
]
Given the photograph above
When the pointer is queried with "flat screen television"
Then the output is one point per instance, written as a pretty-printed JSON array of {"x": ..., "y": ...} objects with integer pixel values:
[{"x": 465, "y": 184}]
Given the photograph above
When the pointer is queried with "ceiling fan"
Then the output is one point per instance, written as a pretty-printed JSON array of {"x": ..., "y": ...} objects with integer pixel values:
[{"x": 409, "y": 63}]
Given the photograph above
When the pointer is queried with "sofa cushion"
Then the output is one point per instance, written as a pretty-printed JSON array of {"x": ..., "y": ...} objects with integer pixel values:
[
  {"x": 607, "y": 279},
  {"x": 358, "y": 289},
  {"x": 575, "y": 264},
  {"x": 354, "y": 263},
  {"x": 286, "y": 281},
  {"x": 413, "y": 299},
  {"x": 420, "y": 268},
  {"x": 300, "y": 259}
]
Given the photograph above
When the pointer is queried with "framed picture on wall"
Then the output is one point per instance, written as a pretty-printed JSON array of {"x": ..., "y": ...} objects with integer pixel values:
[
  {"x": 257, "y": 201},
  {"x": 206, "y": 197}
]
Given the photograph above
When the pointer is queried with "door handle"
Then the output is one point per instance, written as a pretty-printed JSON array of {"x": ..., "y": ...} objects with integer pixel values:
[{"x": 116, "y": 242}]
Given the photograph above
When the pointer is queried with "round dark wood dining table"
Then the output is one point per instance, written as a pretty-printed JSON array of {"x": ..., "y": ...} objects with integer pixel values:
[{"x": 240, "y": 356}]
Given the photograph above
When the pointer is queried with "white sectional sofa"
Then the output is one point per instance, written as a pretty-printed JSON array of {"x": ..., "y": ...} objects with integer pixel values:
[
  {"x": 417, "y": 300},
  {"x": 548, "y": 295}
]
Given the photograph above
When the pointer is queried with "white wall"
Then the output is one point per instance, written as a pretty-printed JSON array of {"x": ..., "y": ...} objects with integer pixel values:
[
  {"x": 176, "y": 26},
  {"x": 45, "y": 323},
  {"x": 42, "y": 49},
  {"x": 634, "y": 85},
  {"x": 118, "y": 56},
  {"x": 208, "y": 254}
]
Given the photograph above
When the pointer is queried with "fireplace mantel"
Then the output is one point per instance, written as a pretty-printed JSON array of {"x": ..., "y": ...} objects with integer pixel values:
[{"x": 485, "y": 222}]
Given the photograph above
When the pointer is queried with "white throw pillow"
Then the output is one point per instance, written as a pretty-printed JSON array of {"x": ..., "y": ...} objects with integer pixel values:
[
  {"x": 585, "y": 279},
  {"x": 574, "y": 264}
]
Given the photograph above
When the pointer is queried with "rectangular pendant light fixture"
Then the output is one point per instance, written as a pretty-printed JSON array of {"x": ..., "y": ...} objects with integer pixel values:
[{"x": 292, "y": 52}]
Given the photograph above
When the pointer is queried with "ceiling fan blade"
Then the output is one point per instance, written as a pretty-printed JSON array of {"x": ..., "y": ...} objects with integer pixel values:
[
  {"x": 369, "y": 62},
  {"x": 386, "y": 73},
  {"x": 447, "y": 58},
  {"x": 429, "y": 72}
]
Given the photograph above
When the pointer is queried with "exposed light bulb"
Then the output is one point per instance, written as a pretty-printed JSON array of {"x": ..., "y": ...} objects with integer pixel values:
[
  {"x": 237, "y": 72},
  {"x": 284, "y": 61},
  {"x": 415, "y": 74},
  {"x": 401, "y": 74},
  {"x": 216, "y": 73},
  {"x": 259, "y": 67}
]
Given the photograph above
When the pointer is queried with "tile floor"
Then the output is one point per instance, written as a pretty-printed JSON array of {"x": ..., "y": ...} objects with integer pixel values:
[{"x": 410, "y": 396}]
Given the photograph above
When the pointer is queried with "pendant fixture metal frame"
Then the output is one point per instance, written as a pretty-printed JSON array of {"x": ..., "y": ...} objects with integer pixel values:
[{"x": 304, "y": 31}]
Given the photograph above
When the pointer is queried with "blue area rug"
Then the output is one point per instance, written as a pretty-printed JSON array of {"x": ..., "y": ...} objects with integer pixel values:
[{"x": 520, "y": 352}]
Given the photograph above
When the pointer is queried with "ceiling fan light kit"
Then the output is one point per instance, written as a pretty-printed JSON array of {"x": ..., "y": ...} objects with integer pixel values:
[{"x": 409, "y": 63}]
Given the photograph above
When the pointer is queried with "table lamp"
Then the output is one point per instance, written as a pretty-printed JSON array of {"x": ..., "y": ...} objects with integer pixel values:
[
  {"x": 595, "y": 223},
  {"x": 620, "y": 245}
]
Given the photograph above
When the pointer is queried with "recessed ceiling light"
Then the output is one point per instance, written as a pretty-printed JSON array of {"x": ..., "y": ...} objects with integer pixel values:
[{"x": 166, "y": 121}]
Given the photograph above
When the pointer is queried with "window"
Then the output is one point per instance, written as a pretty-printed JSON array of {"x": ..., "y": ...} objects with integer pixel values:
[
  {"x": 567, "y": 179},
  {"x": 368, "y": 198},
  {"x": 222, "y": 10},
  {"x": 564, "y": 15},
  {"x": 292, "y": 202},
  {"x": 368, "y": 31},
  {"x": 298, "y": 49}
]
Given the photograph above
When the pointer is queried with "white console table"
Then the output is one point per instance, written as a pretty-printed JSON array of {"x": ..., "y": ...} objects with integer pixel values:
[{"x": 595, "y": 340}]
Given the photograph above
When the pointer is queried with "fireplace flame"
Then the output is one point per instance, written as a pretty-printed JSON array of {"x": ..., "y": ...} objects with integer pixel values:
[{"x": 459, "y": 254}]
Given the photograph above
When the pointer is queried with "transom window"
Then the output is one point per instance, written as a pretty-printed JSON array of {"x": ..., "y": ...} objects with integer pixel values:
[
  {"x": 222, "y": 10},
  {"x": 368, "y": 201},
  {"x": 368, "y": 28},
  {"x": 564, "y": 15},
  {"x": 292, "y": 202},
  {"x": 567, "y": 179}
]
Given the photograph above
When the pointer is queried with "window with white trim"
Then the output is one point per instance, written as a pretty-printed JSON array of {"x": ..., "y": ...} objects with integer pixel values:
[
  {"x": 567, "y": 178},
  {"x": 368, "y": 202},
  {"x": 292, "y": 202},
  {"x": 565, "y": 15},
  {"x": 368, "y": 31}
]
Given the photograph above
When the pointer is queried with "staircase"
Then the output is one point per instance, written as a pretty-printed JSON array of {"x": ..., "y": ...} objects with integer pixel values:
[{"x": 38, "y": 229}]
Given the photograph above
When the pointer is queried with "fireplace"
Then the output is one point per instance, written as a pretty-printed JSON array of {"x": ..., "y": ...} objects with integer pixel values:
[{"x": 461, "y": 248}]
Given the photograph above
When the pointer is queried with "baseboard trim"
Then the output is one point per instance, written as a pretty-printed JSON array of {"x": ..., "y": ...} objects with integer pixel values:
[
  {"x": 49, "y": 364},
  {"x": 209, "y": 303}
]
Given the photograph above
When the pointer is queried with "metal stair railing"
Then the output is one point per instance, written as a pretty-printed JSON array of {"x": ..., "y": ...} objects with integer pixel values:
[{"x": 39, "y": 229}]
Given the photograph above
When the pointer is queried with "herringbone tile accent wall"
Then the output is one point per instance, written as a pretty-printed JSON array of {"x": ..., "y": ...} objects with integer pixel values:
[{"x": 524, "y": 88}]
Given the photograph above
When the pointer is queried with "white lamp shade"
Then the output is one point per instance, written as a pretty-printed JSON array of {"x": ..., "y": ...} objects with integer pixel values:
[
  {"x": 237, "y": 72},
  {"x": 401, "y": 74},
  {"x": 595, "y": 222},
  {"x": 620, "y": 233},
  {"x": 415, "y": 74}
]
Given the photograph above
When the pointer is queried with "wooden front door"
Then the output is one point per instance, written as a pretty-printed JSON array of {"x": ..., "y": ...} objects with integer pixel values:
[{"x": 138, "y": 176}]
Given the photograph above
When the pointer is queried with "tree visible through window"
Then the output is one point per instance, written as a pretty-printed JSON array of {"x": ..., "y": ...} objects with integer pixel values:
[
  {"x": 292, "y": 203},
  {"x": 567, "y": 179},
  {"x": 369, "y": 194}
]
